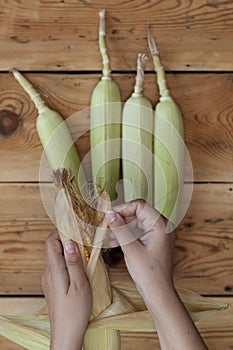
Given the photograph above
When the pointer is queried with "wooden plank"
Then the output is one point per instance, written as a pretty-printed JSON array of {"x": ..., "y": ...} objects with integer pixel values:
[
  {"x": 203, "y": 255},
  {"x": 208, "y": 125},
  {"x": 216, "y": 329},
  {"x": 57, "y": 35},
  {"x": 24, "y": 306},
  {"x": 21, "y": 242},
  {"x": 9, "y": 345},
  {"x": 204, "y": 245}
]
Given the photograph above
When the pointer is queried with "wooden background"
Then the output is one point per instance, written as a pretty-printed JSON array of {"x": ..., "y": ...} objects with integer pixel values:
[{"x": 55, "y": 43}]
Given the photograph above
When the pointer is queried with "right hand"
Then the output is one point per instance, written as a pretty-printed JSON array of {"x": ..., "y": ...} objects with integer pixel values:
[
  {"x": 149, "y": 259},
  {"x": 149, "y": 262}
]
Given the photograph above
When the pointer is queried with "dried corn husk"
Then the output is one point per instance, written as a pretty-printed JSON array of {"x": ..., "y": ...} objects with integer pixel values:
[
  {"x": 33, "y": 332},
  {"x": 25, "y": 331}
]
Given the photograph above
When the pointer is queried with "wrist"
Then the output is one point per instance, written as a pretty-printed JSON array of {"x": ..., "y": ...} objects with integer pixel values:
[
  {"x": 64, "y": 340},
  {"x": 158, "y": 294}
]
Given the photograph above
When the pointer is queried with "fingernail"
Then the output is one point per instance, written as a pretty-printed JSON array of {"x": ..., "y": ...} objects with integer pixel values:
[
  {"x": 70, "y": 247},
  {"x": 111, "y": 216}
]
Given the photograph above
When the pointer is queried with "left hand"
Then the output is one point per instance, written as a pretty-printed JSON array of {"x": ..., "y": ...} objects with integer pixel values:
[{"x": 67, "y": 293}]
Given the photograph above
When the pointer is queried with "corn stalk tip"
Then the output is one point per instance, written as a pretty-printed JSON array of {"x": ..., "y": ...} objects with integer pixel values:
[
  {"x": 102, "y": 13},
  {"x": 224, "y": 306},
  {"x": 141, "y": 65},
  {"x": 142, "y": 60},
  {"x": 15, "y": 72},
  {"x": 151, "y": 42}
]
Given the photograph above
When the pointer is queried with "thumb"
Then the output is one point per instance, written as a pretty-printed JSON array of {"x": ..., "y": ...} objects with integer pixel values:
[
  {"x": 123, "y": 234},
  {"x": 73, "y": 260}
]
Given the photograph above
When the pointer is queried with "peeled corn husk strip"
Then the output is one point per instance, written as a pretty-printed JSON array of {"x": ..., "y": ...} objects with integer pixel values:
[
  {"x": 129, "y": 291},
  {"x": 120, "y": 305},
  {"x": 140, "y": 321},
  {"x": 69, "y": 224},
  {"x": 198, "y": 306},
  {"x": 18, "y": 328},
  {"x": 102, "y": 339},
  {"x": 32, "y": 338},
  {"x": 40, "y": 322}
]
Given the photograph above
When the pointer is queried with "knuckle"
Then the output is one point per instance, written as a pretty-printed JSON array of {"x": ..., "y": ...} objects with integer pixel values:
[
  {"x": 81, "y": 285},
  {"x": 72, "y": 259},
  {"x": 51, "y": 237},
  {"x": 139, "y": 201}
]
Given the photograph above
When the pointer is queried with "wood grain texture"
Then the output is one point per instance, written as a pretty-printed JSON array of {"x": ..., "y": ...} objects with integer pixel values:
[
  {"x": 203, "y": 255},
  {"x": 205, "y": 100},
  {"x": 215, "y": 329},
  {"x": 205, "y": 241},
  {"x": 63, "y": 35}
]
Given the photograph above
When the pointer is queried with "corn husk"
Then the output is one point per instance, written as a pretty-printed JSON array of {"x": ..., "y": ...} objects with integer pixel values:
[
  {"x": 26, "y": 331},
  {"x": 54, "y": 135},
  {"x": 137, "y": 141},
  {"x": 168, "y": 146},
  {"x": 105, "y": 124},
  {"x": 33, "y": 332}
]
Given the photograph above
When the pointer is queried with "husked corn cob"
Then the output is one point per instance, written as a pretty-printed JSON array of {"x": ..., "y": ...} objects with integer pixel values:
[
  {"x": 105, "y": 127},
  {"x": 137, "y": 149}
]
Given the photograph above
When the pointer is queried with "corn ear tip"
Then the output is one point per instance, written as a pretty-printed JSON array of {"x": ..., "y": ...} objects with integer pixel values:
[
  {"x": 102, "y": 13},
  {"x": 142, "y": 57},
  {"x": 15, "y": 72},
  {"x": 224, "y": 306},
  {"x": 151, "y": 41}
]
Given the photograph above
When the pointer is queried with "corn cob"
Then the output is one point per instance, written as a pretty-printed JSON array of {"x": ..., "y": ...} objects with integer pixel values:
[
  {"x": 54, "y": 135},
  {"x": 57, "y": 143},
  {"x": 168, "y": 145},
  {"x": 137, "y": 148},
  {"x": 105, "y": 128}
]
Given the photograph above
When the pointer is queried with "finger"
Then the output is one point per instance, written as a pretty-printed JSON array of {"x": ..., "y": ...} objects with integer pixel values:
[
  {"x": 129, "y": 209},
  {"x": 114, "y": 243},
  {"x": 146, "y": 215},
  {"x": 73, "y": 262},
  {"x": 55, "y": 271},
  {"x": 54, "y": 249},
  {"x": 122, "y": 233}
]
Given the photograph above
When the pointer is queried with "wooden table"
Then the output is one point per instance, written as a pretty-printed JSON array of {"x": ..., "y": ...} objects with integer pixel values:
[{"x": 56, "y": 44}]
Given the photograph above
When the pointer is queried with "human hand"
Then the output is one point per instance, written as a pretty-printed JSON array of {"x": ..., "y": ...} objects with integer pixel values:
[
  {"x": 149, "y": 258},
  {"x": 149, "y": 262},
  {"x": 67, "y": 293}
]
